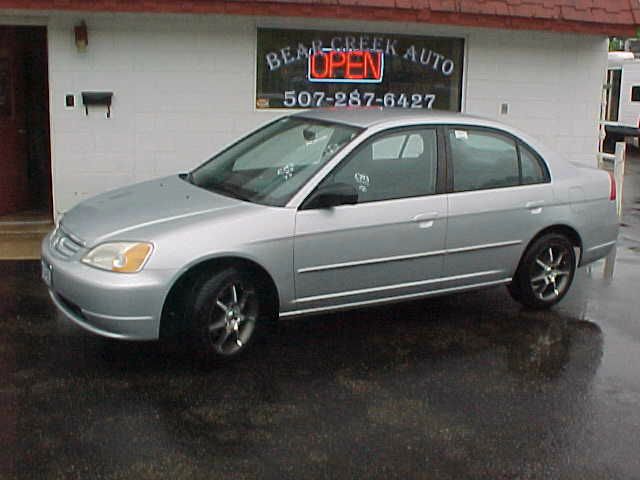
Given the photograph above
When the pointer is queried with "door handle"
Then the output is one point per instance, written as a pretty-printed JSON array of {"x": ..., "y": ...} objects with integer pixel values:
[
  {"x": 425, "y": 220},
  {"x": 535, "y": 207},
  {"x": 421, "y": 217},
  {"x": 534, "y": 204}
]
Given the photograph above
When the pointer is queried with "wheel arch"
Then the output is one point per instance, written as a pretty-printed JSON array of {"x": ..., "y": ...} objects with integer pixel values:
[
  {"x": 563, "y": 229},
  {"x": 173, "y": 319}
]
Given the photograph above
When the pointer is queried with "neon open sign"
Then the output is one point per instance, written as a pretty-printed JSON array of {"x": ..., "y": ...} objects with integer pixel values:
[{"x": 353, "y": 66}]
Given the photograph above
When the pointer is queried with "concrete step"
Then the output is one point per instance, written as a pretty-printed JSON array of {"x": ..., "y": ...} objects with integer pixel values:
[
  {"x": 25, "y": 228},
  {"x": 23, "y": 242}
]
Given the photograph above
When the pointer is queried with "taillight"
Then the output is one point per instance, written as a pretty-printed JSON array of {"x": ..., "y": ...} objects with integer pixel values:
[{"x": 612, "y": 187}]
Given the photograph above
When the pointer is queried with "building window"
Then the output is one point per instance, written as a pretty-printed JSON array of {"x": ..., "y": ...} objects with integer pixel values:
[
  {"x": 635, "y": 93},
  {"x": 614, "y": 80},
  {"x": 311, "y": 68}
]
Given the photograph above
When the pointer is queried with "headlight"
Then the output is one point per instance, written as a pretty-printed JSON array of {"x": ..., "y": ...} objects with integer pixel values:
[{"x": 125, "y": 257}]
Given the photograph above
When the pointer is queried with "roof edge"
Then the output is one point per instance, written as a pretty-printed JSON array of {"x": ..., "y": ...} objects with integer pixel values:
[{"x": 302, "y": 8}]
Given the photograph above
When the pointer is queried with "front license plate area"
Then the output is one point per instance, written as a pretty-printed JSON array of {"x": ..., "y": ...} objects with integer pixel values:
[{"x": 46, "y": 273}]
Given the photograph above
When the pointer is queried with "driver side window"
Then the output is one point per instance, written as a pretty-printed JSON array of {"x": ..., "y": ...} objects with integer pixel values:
[{"x": 399, "y": 164}]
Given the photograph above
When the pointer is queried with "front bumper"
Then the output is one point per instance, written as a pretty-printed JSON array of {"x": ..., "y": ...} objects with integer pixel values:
[{"x": 115, "y": 305}]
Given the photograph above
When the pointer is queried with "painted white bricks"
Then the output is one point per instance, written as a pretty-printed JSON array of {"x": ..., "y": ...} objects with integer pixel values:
[
  {"x": 184, "y": 86},
  {"x": 550, "y": 82}
]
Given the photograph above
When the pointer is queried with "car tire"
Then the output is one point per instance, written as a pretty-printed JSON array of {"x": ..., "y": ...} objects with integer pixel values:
[
  {"x": 545, "y": 273},
  {"x": 225, "y": 311}
]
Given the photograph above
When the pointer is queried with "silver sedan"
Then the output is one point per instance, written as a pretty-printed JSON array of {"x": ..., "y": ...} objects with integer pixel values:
[{"x": 329, "y": 210}]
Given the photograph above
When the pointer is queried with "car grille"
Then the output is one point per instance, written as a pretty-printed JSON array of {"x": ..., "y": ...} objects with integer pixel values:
[{"x": 64, "y": 244}]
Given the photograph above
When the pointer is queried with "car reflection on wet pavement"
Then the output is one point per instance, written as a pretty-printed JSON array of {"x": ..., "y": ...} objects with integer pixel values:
[{"x": 467, "y": 386}]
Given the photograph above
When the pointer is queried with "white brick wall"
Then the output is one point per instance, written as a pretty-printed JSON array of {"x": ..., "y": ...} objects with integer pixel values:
[{"x": 184, "y": 87}]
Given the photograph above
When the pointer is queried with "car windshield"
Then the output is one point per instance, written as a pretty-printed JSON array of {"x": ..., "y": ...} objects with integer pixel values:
[{"x": 271, "y": 164}]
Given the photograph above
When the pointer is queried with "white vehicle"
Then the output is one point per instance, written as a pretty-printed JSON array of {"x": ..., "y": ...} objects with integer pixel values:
[{"x": 622, "y": 107}]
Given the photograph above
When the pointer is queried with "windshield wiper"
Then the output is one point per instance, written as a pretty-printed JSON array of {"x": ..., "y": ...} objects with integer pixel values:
[
  {"x": 217, "y": 188},
  {"x": 229, "y": 190}
]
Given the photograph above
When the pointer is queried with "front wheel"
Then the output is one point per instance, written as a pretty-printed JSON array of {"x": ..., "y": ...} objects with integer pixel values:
[
  {"x": 225, "y": 314},
  {"x": 546, "y": 272}
]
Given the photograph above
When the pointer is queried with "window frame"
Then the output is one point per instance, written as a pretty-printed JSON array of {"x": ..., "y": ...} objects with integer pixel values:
[
  {"x": 328, "y": 33},
  {"x": 519, "y": 144},
  {"x": 441, "y": 163},
  {"x": 635, "y": 88}
]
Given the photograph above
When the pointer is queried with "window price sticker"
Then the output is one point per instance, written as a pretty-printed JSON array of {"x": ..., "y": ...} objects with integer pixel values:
[{"x": 461, "y": 134}]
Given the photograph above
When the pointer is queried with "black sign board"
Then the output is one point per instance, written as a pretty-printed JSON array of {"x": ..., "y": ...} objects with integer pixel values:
[{"x": 310, "y": 69}]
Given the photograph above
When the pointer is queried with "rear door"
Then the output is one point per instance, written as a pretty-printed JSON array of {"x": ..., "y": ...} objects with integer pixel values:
[
  {"x": 500, "y": 193},
  {"x": 391, "y": 243}
]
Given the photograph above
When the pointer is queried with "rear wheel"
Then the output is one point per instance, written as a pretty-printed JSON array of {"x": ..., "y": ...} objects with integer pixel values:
[
  {"x": 225, "y": 313},
  {"x": 545, "y": 273}
]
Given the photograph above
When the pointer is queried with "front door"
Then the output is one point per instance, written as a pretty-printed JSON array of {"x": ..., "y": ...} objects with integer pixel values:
[
  {"x": 391, "y": 243},
  {"x": 13, "y": 129}
]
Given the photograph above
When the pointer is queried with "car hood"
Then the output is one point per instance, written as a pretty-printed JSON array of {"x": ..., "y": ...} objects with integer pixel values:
[{"x": 141, "y": 205}]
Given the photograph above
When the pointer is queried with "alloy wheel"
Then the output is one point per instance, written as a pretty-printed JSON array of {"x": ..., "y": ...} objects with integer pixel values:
[
  {"x": 232, "y": 318},
  {"x": 551, "y": 272}
]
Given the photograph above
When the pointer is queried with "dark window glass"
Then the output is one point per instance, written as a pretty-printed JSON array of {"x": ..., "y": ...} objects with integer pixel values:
[
  {"x": 312, "y": 68},
  {"x": 482, "y": 160},
  {"x": 614, "y": 78},
  {"x": 395, "y": 165},
  {"x": 5, "y": 87},
  {"x": 532, "y": 169},
  {"x": 635, "y": 94}
]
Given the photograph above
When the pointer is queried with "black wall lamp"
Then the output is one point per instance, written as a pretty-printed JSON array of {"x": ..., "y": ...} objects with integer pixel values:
[{"x": 81, "y": 36}]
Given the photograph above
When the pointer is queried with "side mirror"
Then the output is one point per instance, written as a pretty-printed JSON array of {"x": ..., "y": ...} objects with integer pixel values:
[{"x": 332, "y": 195}]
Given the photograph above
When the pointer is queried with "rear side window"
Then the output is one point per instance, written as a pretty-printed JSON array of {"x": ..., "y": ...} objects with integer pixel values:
[
  {"x": 532, "y": 169},
  {"x": 635, "y": 93},
  {"x": 482, "y": 160}
]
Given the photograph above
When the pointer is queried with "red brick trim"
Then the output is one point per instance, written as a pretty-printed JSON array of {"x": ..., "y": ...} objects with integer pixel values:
[{"x": 596, "y": 17}]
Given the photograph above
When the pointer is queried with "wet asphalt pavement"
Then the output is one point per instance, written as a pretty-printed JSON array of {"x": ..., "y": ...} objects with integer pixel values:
[{"x": 467, "y": 386}]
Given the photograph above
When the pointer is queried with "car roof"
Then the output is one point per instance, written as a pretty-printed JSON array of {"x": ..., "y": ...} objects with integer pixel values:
[{"x": 369, "y": 116}]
